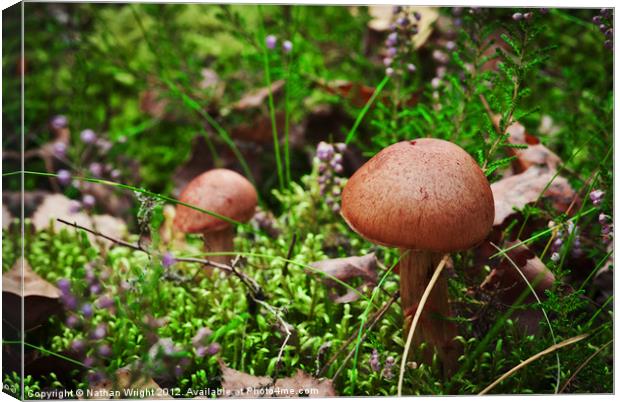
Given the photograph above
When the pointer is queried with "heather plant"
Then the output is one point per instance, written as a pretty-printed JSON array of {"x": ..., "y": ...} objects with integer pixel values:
[{"x": 152, "y": 95}]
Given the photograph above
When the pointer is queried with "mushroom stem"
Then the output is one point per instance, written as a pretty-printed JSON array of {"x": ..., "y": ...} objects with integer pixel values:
[
  {"x": 416, "y": 269},
  {"x": 219, "y": 241}
]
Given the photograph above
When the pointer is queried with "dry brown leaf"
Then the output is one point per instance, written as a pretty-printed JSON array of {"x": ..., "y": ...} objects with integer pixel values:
[
  {"x": 524, "y": 188},
  {"x": 536, "y": 154},
  {"x": 303, "y": 384},
  {"x": 259, "y": 130},
  {"x": 41, "y": 298},
  {"x": 237, "y": 384},
  {"x": 130, "y": 385},
  {"x": 382, "y": 18},
  {"x": 56, "y": 206},
  {"x": 256, "y": 98},
  {"x": 346, "y": 269},
  {"x": 509, "y": 284}
]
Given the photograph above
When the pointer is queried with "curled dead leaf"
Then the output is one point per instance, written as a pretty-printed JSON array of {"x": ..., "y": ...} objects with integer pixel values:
[
  {"x": 237, "y": 384},
  {"x": 347, "y": 269},
  {"x": 41, "y": 298},
  {"x": 517, "y": 191},
  {"x": 257, "y": 98}
]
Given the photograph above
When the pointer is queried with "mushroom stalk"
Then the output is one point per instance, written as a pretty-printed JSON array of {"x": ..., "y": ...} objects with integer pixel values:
[
  {"x": 219, "y": 241},
  {"x": 416, "y": 269}
]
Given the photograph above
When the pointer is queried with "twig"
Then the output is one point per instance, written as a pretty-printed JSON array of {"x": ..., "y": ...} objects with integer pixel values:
[
  {"x": 416, "y": 318},
  {"x": 582, "y": 365},
  {"x": 378, "y": 315},
  {"x": 537, "y": 356}
]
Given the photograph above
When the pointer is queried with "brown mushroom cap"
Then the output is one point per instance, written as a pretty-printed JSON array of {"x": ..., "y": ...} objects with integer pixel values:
[
  {"x": 425, "y": 194},
  {"x": 222, "y": 191}
]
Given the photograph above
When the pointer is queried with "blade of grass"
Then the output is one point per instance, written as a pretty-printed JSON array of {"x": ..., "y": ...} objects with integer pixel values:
[
  {"x": 272, "y": 111},
  {"x": 43, "y": 350},
  {"x": 366, "y": 107}
]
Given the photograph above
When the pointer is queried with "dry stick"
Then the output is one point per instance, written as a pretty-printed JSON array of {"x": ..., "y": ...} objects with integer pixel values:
[
  {"x": 537, "y": 356},
  {"x": 368, "y": 326},
  {"x": 416, "y": 318},
  {"x": 582, "y": 365}
]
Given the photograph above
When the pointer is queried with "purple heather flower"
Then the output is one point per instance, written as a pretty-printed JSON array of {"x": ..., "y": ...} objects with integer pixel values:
[
  {"x": 375, "y": 364},
  {"x": 60, "y": 149},
  {"x": 389, "y": 71},
  {"x": 95, "y": 169},
  {"x": 440, "y": 56},
  {"x": 450, "y": 45},
  {"x": 89, "y": 361},
  {"x": 201, "y": 351},
  {"x": 78, "y": 345},
  {"x": 105, "y": 350},
  {"x": 392, "y": 39},
  {"x": 64, "y": 177},
  {"x": 609, "y": 33},
  {"x": 517, "y": 16},
  {"x": 436, "y": 82},
  {"x": 95, "y": 288},
  {"x": 287, "y": 46},
  {"x": 597, "y": 19},
  {"x": 105, "y": 302},
  {"x": 72, "y": 321},
  {"x": 69, "y": 301},
  {"x": 115, "y": 174},
  {"x": 88, "y": 201},
  {"x": 403, "y": 21},
  {"x": 387, "y": 61},
  {"x": 411, "y": 68},
  {"x": 59, "y": 122},
  {"x": 87, "y": 310},
  {"x": 88, "y": 136},
  {"x": 64, "y": 285},
  {"x": 602, "y": 219},
  {"x": 201, "y": 336},
  {"x": 168, "y": 260},
  {"x": 271, "y": 41},
  {"x": 528, "y": 16},
  {"x": 602, "y": 27},
  {"x": 100, "y": 331},
  {"x": 340, "y": 147},
  {"x": 396, "y": 9},
  {"x": 391, "y": 52},
  {"x": 387, "y": 369},
  {"x": 596, "y": 197},
  {"x": 213, "y": 348},
  {"x": 417, "y": 15},
  {"x": 324, "y": 151}
]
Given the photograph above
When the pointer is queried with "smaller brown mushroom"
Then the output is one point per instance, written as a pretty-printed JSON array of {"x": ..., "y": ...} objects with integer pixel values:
[{"x": 225, "y": 193}]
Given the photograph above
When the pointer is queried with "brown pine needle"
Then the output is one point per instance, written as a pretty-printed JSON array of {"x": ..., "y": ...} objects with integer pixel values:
[
  {"x": 537, "y": 356},
  {"x": 416, "y": 317}
]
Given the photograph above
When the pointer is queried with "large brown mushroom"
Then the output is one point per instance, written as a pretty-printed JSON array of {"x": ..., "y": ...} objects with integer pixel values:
[
  {"x": 428, "y": 197},
  {"x": 223, "y": 192}
]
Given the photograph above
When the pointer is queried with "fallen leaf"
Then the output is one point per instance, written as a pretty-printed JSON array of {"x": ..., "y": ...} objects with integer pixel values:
[
  {"x": 303, "y": 384},
  {"x": 536, "y": 154},
  {"x": 257, "y": 98},
  {"x": 515, "y": 192},
  {"x": 259, "y": 130},
  {"x": 346, "y": 269},
  {"x": 56, "y": 206},
  {"x": 509, "y": 284},
  {"x": 41, "y": 298},
  {"x": 130, "y": 383},
  {"x": 237, "y": 384}
]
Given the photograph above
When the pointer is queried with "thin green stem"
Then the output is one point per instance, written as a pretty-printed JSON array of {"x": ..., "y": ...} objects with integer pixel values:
[
  {"x": 49, "y": 352},
  {"x": 365, "y": 109}
]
